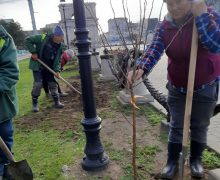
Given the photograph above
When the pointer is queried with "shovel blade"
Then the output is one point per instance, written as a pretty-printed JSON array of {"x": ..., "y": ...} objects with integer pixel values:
[{"x": 19, "y": 171}]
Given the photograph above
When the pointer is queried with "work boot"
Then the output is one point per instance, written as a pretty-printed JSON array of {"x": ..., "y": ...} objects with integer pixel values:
[
  {"x": 196, "y": 150},
  {"x": 35, "y": 107},
  {"x": 171, "y": 167},
  {"x": 57, "y": 103}
]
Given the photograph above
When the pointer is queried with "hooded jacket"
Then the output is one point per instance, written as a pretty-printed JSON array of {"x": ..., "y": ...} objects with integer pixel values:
[
  {"x": 36, "y": 44},
  {"x": 9, "y": 75}
]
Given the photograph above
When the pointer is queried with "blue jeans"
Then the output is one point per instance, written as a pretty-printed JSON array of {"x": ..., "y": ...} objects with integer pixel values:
[
  {"x": 204, "y": 102},
  {"x": 6, "y": 133}
]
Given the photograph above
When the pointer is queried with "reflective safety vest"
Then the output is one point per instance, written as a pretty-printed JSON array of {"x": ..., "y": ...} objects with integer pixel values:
[
  {"x": 43, "y": 36},
  {"x": 2, "y": 43}
]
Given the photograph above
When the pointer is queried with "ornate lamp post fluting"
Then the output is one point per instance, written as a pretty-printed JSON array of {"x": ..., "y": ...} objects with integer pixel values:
[{"x": 95, "y": 158}]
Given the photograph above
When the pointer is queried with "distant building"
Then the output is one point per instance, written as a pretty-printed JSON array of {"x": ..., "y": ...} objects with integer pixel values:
[
  {"x": 117, "y": 25},
  {"x": 67, "y": 22}
]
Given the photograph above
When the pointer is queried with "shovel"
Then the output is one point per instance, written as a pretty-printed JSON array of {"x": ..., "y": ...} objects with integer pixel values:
[
  {"x": 54, "y": 73},
  {"x": 15, "y": 170},
  {"x": 189, "y": 98}
]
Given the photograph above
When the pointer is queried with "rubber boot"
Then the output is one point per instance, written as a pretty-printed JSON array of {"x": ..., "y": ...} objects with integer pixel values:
[
  {"x": 35, "y": 107},
  {"x": 57, "y": 103},
  {"x": 196, "y": 150},
  {"x": 171, "y": 167}
]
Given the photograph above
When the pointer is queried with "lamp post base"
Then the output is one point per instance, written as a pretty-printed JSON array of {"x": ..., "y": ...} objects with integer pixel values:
[{"x": 101, "y": 163}]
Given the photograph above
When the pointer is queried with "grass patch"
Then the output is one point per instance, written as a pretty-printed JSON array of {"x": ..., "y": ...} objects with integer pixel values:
[
  {"x": 104, "y": 114},
  {"x": 45, "y": 149},
  {"x": 153, "y": 116},
  {"x": 46, "y": 152},
  {"x": 211, "y": 160},
  {"x": 24, "y": 88},
  {"x": 144, "y": 158},
  {"x": 128, "y": 177},
  {"x": 114, "y": 154},
  {"x": 98, "y": 178},
  {"x": 163, "y": 137},
  {"x": 116, "y": 106},
  {"x": 70, "y": 70},
  {"x": 145, "y": 162}
]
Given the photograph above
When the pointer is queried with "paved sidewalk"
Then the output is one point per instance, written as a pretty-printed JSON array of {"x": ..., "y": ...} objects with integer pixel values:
[
  {"x": 23, "y": 56},
  {"x": 158, "y": 78}
]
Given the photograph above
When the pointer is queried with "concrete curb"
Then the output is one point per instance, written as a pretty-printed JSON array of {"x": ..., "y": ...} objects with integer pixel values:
[{"x": 214, "y": 174}]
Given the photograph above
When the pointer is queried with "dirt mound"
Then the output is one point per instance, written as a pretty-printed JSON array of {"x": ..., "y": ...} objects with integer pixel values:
[{"x": 66, "y": 118}]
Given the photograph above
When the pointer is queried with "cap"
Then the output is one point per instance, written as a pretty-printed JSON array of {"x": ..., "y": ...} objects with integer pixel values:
[
  {"x": 70, "y": 52},
  {"x": 58, "y": 31}
]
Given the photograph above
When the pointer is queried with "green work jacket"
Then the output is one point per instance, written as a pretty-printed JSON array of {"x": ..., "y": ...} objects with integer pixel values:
[
  {"x": 35, "y": 44},
  {"x": 9, "y": 74}
]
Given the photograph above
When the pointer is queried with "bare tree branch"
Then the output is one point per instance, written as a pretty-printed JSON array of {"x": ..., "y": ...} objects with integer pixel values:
[
  {"x": 161, "y": 11},
  {"x": 100, "y": 29},
  {"x": 143, "y": 20},
  {"x": 128, "y": 24},
  {"x": 126, "y": 119},
  {"x": 152, "y": 6},
  {"x": 118, "y": 28}
]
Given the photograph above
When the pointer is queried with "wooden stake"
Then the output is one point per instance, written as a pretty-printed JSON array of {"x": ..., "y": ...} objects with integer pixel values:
[{"x": 189, "y": 99}]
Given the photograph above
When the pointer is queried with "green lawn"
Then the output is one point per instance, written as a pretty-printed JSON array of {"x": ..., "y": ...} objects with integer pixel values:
[
  {"x": 44, "y": 148},
  {"x": 24, "y": 88},
  {"x": 46, "y": 152}
]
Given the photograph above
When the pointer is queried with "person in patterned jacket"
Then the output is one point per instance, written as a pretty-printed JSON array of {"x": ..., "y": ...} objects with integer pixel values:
[{"x": 173, "y": 36}]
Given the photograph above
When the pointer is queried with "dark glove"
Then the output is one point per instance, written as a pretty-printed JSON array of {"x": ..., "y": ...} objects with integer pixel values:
[{"x": 34, "y": 57}]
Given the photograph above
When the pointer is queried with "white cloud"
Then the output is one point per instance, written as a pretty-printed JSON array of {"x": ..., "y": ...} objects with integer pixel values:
[
  {"x": 47, "y": 11},
  {"x": 8, "y": 1}
]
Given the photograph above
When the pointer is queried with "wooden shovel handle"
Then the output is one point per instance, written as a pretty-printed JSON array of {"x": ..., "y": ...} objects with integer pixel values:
[
  {"x": 54, "y": 73},
  {"x": 189, "y": 99},
  {"x": 190, "y": 85},
  {"x": 6, "y": 151}
]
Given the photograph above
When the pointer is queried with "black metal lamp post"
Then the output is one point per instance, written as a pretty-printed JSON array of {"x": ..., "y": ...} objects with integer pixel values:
[
  {"x": 95, "y": 157},
  {"x": 64, "y": 18}
]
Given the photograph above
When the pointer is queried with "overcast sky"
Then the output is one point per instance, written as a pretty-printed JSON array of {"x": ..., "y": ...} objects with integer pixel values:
[{"x": 46, "y": 11}]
